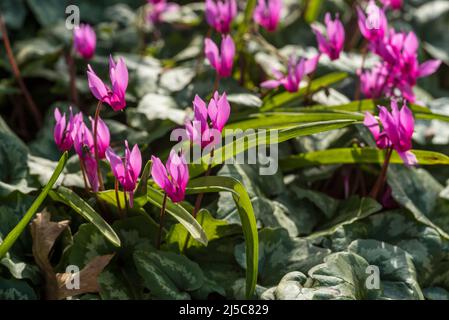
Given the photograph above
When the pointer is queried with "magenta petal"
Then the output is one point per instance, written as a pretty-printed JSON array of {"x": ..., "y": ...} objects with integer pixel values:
[
  {"x": 227, "y": 55},
  {"x": 428, "y": 67},
  {"x": 211, "y": 53},
  {"x": 408, "y": 157},
  {"x": 96, "y": 86},
  {"x": 224, "y": 111},
  {"x": 135, "y": 160},
  {"x": 270, "y": 84},
  {"x": 372, "y": 124},
  {"x": 116, "y": 164},
  {"x": 159, "y": 173}
]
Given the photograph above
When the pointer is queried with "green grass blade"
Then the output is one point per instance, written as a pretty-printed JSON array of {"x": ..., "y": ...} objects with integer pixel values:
[
  {"x": 18, "y": 229},
  {"x": 357, "y": 155},
  {"x": 71, "y": 199},
  {"x": 246, "y": 213},
  {"x": 285, "y": 98},
  {"x": 180, "y": 213}
]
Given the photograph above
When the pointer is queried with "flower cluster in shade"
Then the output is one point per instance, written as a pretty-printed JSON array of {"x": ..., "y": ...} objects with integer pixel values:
[
  {"x": 84, "y": 41},
  {"x": 205, "y": 129},
  {"x": 330, "y": 43},
  {"x": 396, "y": 131},
  {"x": 73, "y": 132},
  {"x": 398, "y": 69}
]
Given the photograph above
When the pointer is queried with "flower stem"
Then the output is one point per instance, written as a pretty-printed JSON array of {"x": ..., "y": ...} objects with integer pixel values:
[
  {"x": 117, "y": 197},
  {"x": 359, "y": 82},
  {"x": 216, "y": 83},
  {"x": 382, "y": 176},
  {"x": 72, "y": 73},
  {"x": 161, "y": 222},
  {"x": 199, "y": 199},
  {"x": 15, "y": 69},
  {"x": 83, "y": 170},
  {"x": 97, "y": 158}
]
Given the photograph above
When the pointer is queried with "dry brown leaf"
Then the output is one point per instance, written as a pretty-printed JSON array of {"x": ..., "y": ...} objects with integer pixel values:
[
  {"x": 88, "y": 277},
  {"x": 44, "y": 233}
]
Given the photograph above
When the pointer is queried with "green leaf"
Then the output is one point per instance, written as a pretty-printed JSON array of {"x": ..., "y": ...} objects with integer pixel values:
[
  {"x": 47, "y": 12},
  {"x": 280, "y": 120},
  {"x": 248, "y": 15},
  {"x": 312, "y": 10},
  {"x": 140, "y": 195},
  {"x": 341, "y": 277},
  {"x": 252, "y": 140},
  {"x": 279, "y": 254},
  {"x": 16, "y": 290},
  {"x": 168, "y": 275},
  {"x": 356, "y": 155},
  {"x": 246, "y": 213},
  {"x": 285, "y": 98},
  {"x": 418, "y": 191},
  {"x": 362, "y": 106},
  {"x": 399, "y": 228},
  {"x": 178, "y": 238},
  {"x": 396, "y": 267},
  {"x": 13, "y": 161},
  {"x": 74, "y": 201},
  {"x": 18, "y": 229},
  {"x": 179, "y": 213},
  {"x": 350, "y": 275}
]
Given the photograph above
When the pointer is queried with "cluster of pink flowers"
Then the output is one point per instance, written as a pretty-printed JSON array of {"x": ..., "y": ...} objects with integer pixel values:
[
  {"x": 74, "y": 133},
  {"x": 92, "y": 148},
  {"x": 330, "y": 43},
  {"x": 399, "y": 69},
  {"x": 219, "y": 15},
  {"x": 398, "y": 126}
]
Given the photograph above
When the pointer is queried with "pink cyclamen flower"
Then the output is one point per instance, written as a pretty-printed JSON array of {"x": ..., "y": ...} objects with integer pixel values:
[
  {"x": 374, "y": 83},
  {"x": 398, "y": 126},
  {"x": 118, "y": 74},
  {"x": 84, "y": 41},
  {"x": 267, "y": 13},
  {"x": 103, "y": 137},
  {"x": 375, "y": 24},
  {"x": 221, "y": 63},
  {"x": 84, "y": 147},
  {"x": 209, "y": 121},
  {"x": 394, "y": 4},
  {"x": 173, "y": 177},
  {"x": 332, "y": 44},
  {"x": 399, "y": 51},
  {"x": 296, "y": 71},
  {"x": 65, "y": 131},
  {"x": 219, "y": 14},
  {"x": 84, "y": 141},
  {"x": 126, "y": 171}
]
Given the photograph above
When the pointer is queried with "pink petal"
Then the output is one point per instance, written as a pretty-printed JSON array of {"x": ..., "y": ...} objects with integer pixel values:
[
  {"x": 408, "y": 157},
  {"x": 211, "y": 52},
  {"x": 428, "y": 67},
  {"x": 159, "y": 173},
  {"x": 135, "y": 160},
  {"x": 116, "y": 164},
  {"x": 96, "y": 86}
]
